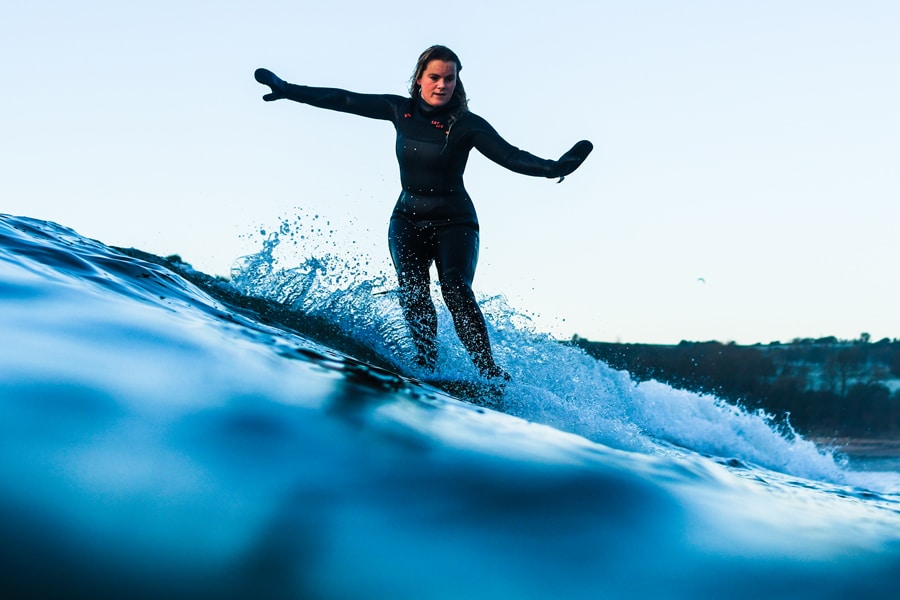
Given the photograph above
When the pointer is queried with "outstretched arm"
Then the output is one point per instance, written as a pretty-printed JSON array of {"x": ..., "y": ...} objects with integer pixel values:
[
  {"x": 489, "y": 143},
  {"x": 374, "y": 106}
]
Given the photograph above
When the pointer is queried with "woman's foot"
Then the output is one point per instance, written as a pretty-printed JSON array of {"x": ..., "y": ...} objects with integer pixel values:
[{"x": 496, "y": 373}]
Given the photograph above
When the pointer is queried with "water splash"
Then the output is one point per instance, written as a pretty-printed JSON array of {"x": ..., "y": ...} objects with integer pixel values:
[
  {"x": 554, "y": 383},
  {"x": 325, "y": 285}
]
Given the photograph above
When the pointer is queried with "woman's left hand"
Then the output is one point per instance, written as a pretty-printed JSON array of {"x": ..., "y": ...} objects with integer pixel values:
[{"x": 572, "y": 159}]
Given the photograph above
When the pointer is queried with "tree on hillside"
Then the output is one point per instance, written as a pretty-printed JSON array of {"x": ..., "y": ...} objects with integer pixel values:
[{"x": 842, "y": 367}]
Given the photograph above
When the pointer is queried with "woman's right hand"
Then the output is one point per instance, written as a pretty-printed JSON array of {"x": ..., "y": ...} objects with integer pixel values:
[{"x": 267, "y": 77}]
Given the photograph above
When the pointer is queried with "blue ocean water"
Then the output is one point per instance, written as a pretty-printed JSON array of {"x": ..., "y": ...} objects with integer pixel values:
[{"x": 170, "y": 434}]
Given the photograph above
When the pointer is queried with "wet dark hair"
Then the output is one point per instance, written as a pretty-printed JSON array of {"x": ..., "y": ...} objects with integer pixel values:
[{"x": 445, "y": 54}]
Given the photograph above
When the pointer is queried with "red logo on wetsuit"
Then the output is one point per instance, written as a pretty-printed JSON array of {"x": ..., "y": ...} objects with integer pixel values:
[{"x": 434, "y": 122}]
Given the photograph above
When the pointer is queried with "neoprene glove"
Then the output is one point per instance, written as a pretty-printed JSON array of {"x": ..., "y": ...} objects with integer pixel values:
[
  {"x": 572, "y": 159},
  {"x": 279, "y": 87}
]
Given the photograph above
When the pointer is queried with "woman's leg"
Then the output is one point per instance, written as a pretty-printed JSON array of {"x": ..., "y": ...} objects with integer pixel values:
[
  {"x": 412, "y": 250},
  {"x": 456, "y": 257}
]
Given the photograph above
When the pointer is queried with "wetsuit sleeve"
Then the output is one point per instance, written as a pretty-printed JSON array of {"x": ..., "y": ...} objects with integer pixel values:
[
  {"x": 488, "y": 142},
  {"x": 373, "y": 106}
]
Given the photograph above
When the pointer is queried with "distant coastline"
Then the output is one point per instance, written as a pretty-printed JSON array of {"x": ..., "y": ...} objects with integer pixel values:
[
  {"x": 825, "y": 388},
  {"x": 863, "y": 447}
]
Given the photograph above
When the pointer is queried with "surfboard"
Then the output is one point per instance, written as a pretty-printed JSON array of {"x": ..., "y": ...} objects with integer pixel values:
[{"x": 482, "y": 393}]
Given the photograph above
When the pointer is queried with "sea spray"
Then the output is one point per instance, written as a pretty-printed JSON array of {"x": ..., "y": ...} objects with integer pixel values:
[
  {"x": 294, "y": 268},
  {"x": 554, "y": 383}
]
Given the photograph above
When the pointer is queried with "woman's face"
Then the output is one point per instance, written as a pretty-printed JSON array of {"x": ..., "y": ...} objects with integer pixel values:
[{"x": 438, "y": 82}]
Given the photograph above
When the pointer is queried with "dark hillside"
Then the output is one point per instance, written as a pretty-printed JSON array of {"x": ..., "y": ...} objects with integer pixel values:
[{"x": 829, "y": 387}]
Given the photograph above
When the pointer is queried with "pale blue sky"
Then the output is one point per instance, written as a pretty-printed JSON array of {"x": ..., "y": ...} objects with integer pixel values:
[{"x": 753, "y": 144}]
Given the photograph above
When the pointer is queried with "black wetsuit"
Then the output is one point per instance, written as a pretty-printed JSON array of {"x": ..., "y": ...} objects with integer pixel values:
[{"x": 434, "y": 219}]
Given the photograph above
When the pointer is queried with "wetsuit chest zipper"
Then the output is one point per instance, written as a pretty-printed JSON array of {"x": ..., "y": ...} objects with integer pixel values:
[{"x": 450, "y": 123}]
